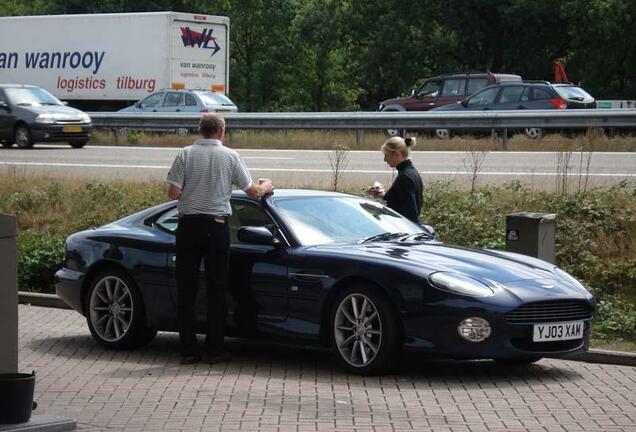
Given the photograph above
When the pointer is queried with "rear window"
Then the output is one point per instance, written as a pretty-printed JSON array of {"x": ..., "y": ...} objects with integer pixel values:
[
  {"x": 542, "y": 94},
  {"x": 453, "y": 87},
  {"x": 211, "y": 98},
  {"x": 574, "y": 93}
]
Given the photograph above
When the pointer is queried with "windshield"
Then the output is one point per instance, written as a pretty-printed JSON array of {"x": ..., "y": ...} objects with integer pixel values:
[
  {"x": 576, "y": 93},
  {"x": 329, "y": 219},
  {"x": 31, "y": 96},
  {"x": 214, "y": 99}
]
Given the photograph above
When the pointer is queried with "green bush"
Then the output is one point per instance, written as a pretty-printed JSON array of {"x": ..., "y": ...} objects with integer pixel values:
[
  {"x": 616, "y": 319},
  {"x": 40, "y": 255}
]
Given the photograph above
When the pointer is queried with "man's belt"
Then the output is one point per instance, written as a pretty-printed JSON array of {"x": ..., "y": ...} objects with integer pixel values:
[{"x": 203, "y": 216}]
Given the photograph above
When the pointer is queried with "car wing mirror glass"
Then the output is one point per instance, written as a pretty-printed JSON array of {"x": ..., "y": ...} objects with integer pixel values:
[
  {"x": 464, "y": 102},
  {"x": 3, "y": 105},
  {"x": 430, "y": 230},
  {"x": 257, "y": 235}
]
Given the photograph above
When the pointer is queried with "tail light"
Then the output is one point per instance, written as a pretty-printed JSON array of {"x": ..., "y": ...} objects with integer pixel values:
[
  {"x": 559, "y": 103},
  {"x": 204, "y": 110}
]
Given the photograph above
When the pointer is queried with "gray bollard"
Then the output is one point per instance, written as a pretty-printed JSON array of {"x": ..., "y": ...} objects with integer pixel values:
[
  {"x": 532, "y": 234},
  {"x": 8, "y": 295}
]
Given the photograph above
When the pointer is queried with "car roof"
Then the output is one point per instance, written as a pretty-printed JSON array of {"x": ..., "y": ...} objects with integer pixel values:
[
  {"x": 295, "y": 193},
  {"x": 17, "y": 86}
]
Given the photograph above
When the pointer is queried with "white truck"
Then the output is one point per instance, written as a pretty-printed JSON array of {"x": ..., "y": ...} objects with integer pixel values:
[{"x": 103, "y": 62}]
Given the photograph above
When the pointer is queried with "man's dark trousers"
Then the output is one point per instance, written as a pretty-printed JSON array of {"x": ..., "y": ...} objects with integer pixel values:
[{"x": 200, "y": 237}]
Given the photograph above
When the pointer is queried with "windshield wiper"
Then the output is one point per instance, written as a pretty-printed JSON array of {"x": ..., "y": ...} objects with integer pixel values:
[
  {"x": 418, "y": 236},
  {"x": 383, "y": 237}
]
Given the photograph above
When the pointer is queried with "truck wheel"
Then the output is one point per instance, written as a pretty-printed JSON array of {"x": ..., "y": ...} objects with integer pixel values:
[
  {"x": 22, "y": 137},
  {"x": 78, "y": 144}
]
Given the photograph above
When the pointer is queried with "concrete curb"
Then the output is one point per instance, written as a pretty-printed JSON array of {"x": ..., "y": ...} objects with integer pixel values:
[{"x": 592, "y": 356}]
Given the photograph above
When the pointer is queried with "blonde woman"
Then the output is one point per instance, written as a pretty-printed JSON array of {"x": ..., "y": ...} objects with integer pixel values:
[{"x": 405, "y": 194}]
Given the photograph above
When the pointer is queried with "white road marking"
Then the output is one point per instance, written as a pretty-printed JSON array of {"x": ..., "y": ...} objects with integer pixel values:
[{"x": 303, "y": 170}]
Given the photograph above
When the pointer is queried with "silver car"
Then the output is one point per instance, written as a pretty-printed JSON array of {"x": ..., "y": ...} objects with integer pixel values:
[{"x": 187, "y": 101}]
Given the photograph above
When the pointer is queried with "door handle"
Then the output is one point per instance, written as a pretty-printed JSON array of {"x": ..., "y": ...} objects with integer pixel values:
[{"x": 178, "y": 110}]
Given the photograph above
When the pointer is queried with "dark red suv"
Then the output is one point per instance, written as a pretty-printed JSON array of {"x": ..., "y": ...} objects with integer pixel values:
[{"x": 444, "y": 90}]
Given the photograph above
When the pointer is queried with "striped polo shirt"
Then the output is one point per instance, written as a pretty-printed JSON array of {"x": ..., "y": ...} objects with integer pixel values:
[{"x": 205, "y": 173}]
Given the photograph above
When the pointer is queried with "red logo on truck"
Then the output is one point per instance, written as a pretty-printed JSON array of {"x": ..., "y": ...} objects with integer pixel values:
[{"x": 203, "y": 39}]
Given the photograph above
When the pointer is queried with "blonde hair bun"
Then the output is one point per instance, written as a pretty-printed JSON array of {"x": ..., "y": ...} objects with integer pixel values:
[{"x": 410, "y": 141}]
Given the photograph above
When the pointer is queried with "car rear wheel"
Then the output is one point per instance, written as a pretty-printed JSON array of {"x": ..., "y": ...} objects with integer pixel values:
[
  {"x": 365, "y": 331},
  {"x": 7, "y": 144},
  {"x": 115, "y": 312},
  {"x": 534, "y": 133},
  {"x": 22, "y": 137},
  {"x": 443, "y": 133},
  {"x": 78, "y": 144}
]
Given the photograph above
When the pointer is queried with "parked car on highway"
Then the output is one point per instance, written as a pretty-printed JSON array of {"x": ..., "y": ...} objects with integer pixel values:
[
  {"x": 531, "y": 95},
  {"x": 331, "y": 269},
  {"x": 188, "y": 101},
  {"x": 443, "y": 90},
  {"x": 30, "y": 114}
]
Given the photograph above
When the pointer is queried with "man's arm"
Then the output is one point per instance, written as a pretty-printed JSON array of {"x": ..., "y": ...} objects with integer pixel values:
[
  {"x": 263, "y": 187},
  {"x": 174, "y": 192}
]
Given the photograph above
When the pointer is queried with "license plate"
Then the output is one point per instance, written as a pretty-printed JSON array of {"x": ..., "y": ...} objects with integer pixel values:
[
  {"x": 558, "y": 331},
  {"x": 72, "y": 129}
]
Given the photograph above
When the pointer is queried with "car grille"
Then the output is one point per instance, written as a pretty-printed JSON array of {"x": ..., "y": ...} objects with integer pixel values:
[{"x": 550, "y": 311}]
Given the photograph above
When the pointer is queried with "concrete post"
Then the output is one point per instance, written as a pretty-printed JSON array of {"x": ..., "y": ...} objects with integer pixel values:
[{"x": 8, "y": 295}]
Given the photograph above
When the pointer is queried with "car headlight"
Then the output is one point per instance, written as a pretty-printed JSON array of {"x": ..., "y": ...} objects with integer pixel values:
[
  {"x": 85, "y": 118},
  {"x": 570, "y": 279},
  {"x": 45, "y": 118},
  {"x": 459, "y": 284}
]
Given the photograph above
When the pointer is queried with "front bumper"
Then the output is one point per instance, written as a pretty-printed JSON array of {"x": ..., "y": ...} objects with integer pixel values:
[
  {"x": 60, "y": 133},
  {"x": 436, "y": 333},
  {"x": 68, "y": 286}
]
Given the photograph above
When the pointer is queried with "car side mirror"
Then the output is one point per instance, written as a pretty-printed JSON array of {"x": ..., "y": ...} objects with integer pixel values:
[
  {"x": 464, "y": 102},
  {"x": 412, "y": 92},
  {"x": 4, "y": 106},
  {"x": 64, "y": 103},
  {"x": 257, "y": 235},
  {"x": 137, "y": 105},
  {"x": 430, "y": 230}
]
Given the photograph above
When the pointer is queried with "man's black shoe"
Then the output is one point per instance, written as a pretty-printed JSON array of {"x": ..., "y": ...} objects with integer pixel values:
[
  {"x": 220, "y": 357},
  {"x": 186, "y": 360}
]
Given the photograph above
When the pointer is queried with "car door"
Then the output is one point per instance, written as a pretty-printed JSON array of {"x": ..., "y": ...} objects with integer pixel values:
[
  {"x": 6, "y": 118},
  {"x": 425, "y": 96},
  {"x": 452, "y": 91},
  {"x": 483, "y": 100},
  {"x": 172, "y": 102},
  {"x": 152, "y": 103},
  {"x": 510, "y": 98},
  {"x": 258, "y": 284}
]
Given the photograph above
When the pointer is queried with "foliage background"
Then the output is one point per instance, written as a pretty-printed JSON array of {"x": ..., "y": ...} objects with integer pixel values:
[{"x": 331, "y": 55}]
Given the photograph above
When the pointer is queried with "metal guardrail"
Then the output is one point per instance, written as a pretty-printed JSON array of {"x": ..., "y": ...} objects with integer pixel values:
[{"x": 545, "y": 119}]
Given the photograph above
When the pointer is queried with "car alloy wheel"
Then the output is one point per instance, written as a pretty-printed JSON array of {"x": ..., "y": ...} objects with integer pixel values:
[
  {"x": 111, "y": 308},
  {"x": 115, "y": 312},
  {"x": 358, "y": 330},
  {"x": 365, "y": 330},
  {"x": 534, "y": 133},
  {"x": 22, "y": 137}
]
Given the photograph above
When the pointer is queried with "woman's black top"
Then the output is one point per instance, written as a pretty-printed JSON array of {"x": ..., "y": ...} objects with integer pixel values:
[{"x": 405, "y": 194}]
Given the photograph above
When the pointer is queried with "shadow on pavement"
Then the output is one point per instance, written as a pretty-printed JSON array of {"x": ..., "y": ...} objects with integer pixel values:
[{"x": 264, "y": 358}]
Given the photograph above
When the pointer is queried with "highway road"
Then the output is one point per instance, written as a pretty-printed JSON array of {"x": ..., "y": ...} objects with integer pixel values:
[{"x": 296, "y": 168}]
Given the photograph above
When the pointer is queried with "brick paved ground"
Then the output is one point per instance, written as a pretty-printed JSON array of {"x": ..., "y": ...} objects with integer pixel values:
[{"x": 278, "y": 388}]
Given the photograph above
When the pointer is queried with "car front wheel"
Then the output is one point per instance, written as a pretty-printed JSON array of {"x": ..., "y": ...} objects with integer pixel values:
[
  {"x": 443, "y": 133},
  {"x": 78, "y": 144},
  {"x": 22, "y": 137},
  {"x": 534, "y": 133},
  {"x": 115, "y": 312},
  {"x": 365, "y": 331}
]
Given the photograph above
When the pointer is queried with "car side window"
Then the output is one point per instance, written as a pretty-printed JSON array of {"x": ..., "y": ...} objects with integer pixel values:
[
  {"x": 511, "y": 94},
  {"x": 173, "y": 99},
  {"x": 541, "y": 94},
  {"x": 153, "y": 100},
  {"x": 476, "y": 84},
  {"x": 190, "y": 100},
  {"x": 484, "y": 97},
  {"x": 525, "y": 94},
  {"x": 3, "y": 98},
  {"x": 430, "y": 88},
  {"x": 169, "y": 220},
  {"x": 453, "y": 87},
  {"x": 245, "y": 213}
]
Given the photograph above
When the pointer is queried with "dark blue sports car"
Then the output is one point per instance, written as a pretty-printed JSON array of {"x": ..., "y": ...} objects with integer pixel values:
[{"x": 333, "y": 269}]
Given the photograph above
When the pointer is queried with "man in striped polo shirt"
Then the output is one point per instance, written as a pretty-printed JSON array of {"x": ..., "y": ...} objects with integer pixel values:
[{"x": 201, "y": 178}]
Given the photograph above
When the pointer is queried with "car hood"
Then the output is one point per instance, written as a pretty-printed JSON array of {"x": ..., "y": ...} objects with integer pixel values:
[
  {"x": 524, "y": 276},
  {"x": 53, "y": 109}
]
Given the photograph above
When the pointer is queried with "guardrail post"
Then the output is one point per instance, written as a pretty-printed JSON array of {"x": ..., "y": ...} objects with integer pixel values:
[
  {"x": 8, "y": 295},
  {"x": 359, "y": 137},
  {"x": 504, "y": 139}
]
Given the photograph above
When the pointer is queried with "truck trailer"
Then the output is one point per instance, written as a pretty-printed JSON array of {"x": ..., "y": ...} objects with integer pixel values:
[{"x": 103, "y": 62}]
